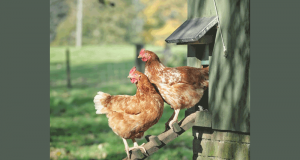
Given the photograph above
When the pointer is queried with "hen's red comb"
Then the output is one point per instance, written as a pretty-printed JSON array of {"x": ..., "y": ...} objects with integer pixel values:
[
  {"x": 142, "y": 51},
  {"x": 132, "y": 70}
]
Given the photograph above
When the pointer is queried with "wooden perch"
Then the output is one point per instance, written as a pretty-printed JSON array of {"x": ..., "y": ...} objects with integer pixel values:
[{"x": 157, "y": 142}]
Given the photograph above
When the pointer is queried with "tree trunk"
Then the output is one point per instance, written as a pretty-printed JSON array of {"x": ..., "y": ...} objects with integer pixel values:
[{"x": 79, "y": 24}]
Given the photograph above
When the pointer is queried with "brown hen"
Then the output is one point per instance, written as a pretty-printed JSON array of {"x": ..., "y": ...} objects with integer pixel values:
[
  {"x": 130, "y": 116},
  {"x": 180, "y": 87}
]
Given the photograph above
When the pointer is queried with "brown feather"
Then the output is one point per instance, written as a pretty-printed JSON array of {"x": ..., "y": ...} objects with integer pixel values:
[
  {"x": 130, "y": 116},
  {"x": 181, "y": 87}
]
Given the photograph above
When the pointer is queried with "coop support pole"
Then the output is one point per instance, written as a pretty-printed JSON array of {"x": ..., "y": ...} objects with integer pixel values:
[
  {"x": 196, "y": 53},
  {"x": 197, "y": 148}
]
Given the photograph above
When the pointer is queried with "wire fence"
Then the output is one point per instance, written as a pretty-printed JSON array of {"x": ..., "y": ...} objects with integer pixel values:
[{"x": 115, "y": 73}]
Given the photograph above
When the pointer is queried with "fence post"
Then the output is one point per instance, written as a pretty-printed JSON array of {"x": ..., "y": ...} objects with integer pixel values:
[
  {"x": 68, "y": 68},
  {"x": 138, "y": 62}
]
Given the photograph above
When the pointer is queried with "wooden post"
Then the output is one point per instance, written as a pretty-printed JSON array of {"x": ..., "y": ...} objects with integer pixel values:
[
  {"x": 197, "y": 148},
  {"x": 197, "y": 52},
  {"x": 138, "y": 62},
  {"x": 68, "y": 68}
]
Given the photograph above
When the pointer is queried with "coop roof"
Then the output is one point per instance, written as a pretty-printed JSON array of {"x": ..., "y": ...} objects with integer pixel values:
[{"x": 192, "y": 30}]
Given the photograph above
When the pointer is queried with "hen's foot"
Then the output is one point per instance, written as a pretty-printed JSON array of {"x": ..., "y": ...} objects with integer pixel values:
[
  {"x": 167, "y": 127},
  {"x": 126, "y": 148},
  {"x": 141, "y": 147},
  {"x": 171, "y": 124}
]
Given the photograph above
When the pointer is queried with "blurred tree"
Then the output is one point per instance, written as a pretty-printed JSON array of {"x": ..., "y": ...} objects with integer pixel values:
[
  {"x": 104, "y": 3},
  {"x": 135, "y": 21},
  {"x": 100, "y": 23},
  {"x": 162, "y": 18},
  {"x": 79, "y": 24},
  {"x": 58, "y": 11}
]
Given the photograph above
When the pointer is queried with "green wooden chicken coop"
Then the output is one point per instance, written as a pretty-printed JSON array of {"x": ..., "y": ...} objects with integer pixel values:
[
  {"x": 218, "y": 31},
  {"x": 217, "y": 34}
]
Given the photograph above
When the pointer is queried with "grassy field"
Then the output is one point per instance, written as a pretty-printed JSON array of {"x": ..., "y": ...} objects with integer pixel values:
[{"x": 76, "y": 131}]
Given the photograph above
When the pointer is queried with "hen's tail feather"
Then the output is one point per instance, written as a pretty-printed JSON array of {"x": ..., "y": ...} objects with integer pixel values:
[
  {"x": 205, "y": 77},
  {"x": 99, "y": 106}
]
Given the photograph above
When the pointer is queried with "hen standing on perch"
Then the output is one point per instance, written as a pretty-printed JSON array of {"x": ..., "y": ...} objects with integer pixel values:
[
  {"x": 130, "y": 116},
  {"x": 180, "y": 87}
]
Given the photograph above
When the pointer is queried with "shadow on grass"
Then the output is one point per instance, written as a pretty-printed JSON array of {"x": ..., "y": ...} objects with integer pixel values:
[
  {"x": 87, "y": 128},
  {"x": 116, "y": 156}
]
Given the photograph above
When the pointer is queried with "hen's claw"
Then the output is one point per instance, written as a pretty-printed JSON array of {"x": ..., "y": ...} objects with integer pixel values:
[
  {"x": 171, "y": 124},
  {"x": 141, "y": 147},
  {"x": 126, "y": 147},
  {"x": 127, "y": 152}
]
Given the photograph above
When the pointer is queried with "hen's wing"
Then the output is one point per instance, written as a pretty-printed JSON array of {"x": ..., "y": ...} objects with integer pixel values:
[
  {"x": 119, "y": 103},
  {"x": 184, "y": 74},
  {"x": 192, "y": 75},
  {"x": 125, "y": 103}
]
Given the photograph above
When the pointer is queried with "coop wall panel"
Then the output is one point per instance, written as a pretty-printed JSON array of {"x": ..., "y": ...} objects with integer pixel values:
[{"x": 229, "y": 88}]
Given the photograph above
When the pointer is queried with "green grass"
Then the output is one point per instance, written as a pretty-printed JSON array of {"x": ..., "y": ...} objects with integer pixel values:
[{"x": 76, "y": 131}]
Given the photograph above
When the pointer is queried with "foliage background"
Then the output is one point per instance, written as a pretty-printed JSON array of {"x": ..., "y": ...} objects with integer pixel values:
[{"x": 130, "y": 21}]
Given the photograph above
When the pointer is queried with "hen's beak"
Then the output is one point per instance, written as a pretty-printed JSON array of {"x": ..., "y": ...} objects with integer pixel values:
[
  {"x": 128, "y": 77},
  {"x": 139, "y": 56}
]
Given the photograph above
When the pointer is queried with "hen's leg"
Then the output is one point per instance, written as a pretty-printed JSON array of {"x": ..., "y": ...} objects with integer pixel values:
[
  {"x": 126, "y": 147},
  {"x": 137, "y": 146},
  {"x": 175, "y": 119},
  {"x": 167, "y": 123}
]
